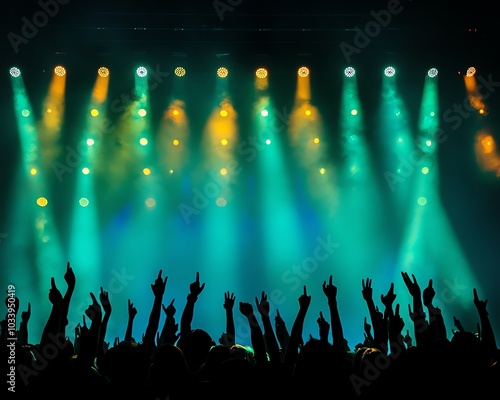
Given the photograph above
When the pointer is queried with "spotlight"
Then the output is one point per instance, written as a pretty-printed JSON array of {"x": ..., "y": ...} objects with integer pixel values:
[
  {"x": 150, "y": 202},
  {"x": 142, "y": 72},
  {"x": 261, "y": 73},
  {"x": 389, "y": 71},
  {"x": 142, "y": 112},
  {"x": 143, "y": 141},
  {"x": 471, "y": 71},
  {"x": 94, "y": 112},
  {"x": 432, "y": 72},
  {"x": 103, "y": 71},
  {"x": 15, "y": 72},
  {"x": 303, "y": 72},
  {"x": 60, "y": 70},
  {"x": 179, "y": 71},
  {"x": 349, "y": 72},
  {"x": 42, "y": 201},
  {"x": 84, "y": 202},
  {"x": 223, "y": 113},
  {"x": 264, "y": 113},
  {"x": 222, "y": 72}
]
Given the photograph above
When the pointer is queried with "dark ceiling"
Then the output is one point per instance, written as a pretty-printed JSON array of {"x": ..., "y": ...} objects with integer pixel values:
[{"x": 195, "y": 28}]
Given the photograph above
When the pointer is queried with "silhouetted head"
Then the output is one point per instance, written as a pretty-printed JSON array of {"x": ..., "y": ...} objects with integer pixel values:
[{"x": 196, "y": 345}]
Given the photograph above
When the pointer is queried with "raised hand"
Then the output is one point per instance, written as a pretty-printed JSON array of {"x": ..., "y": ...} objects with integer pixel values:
[
  {"x": 55, "y": 295},
  {"x": 246, "y": 309},
  {"x": 412, "y": 285},
  {"x": 304, "y": 299},
  {"x": 94, "y": 309},
  {"x": 330, "y": 290},
  {"x": 25, "y": 315},
  {"x": 458, "y": 324},
  {"x": 132, "y": 311},
  {"x": 389, "y": 298},
  {"x": 159, "y": 285},
  {"x": 480, "y": 304},
  {"x": 104, "y": 299},
  {"x": 367, "y": 290},
  {"x": 69, "y": 276},
  {"x": 195, "y": 288},
  {"x": 263, "y": 305},
  {"x": 170, "y": 309},
  {"x": 229, "y": 301},
  {"x": 324, "y": 327},
  {"x": 428, "y": 294}
]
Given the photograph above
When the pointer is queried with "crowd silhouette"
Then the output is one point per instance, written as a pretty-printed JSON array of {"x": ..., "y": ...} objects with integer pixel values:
[{"x": 179, "y": 361}]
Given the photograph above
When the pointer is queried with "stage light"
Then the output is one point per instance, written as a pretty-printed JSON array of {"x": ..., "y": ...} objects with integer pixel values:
[
  {"x": 268, "y": 141},
  {"x": 94, "y": 112},
  {"x": 15, "y": 72},
  {"x": 389, "y": 71},
  {"x": 60, "y": 70},
  {"x": 142, "y": 72},
  {"x": 33, "y": 171},
  {"x": 175, "y": 112},
  {"x": 264, "y": 113},
  {"x": 42, "y": 201},
  {"x": 179, "y": 71},
  {"x": 171, "y": 171},
  {"x": 175, "y": 142},
  {"x": 222, "y": 72},
  {"x": 261, "y": 73},
  {"x": 84, "y": 202},
  {"x": 150, "y": 202},
  {"x": 146, "y": 171},
  {"x": 425, "y": 170},
  {"x": 354, "y": 112},
  {"x": 90, "y": 142},
  {"x": 103, "y": 71},
  {"x": 142, "y": 112},
  {"x": 422, "y": 201},
  {"x": 308, "y": 112},
  {"x": 223, "y": 142},
  {"x": 322, "y": 171},
  {"x": 223, "y": 171},
  {"x": 85, "y": 171},
  {"x": 221, "y": 202},
  {"x": 223, "y": 113},
  {"x": 349, "y": 72},
  {"x": 428, "y": 143},
  {"x": 432, "y": 72},
  {"x": 471, "y": 71},
  {"x": 143, "y": 141},
  {"x": 303, "y": 72},
  {"x": 316, "y": 140},
  {"x": 25, "y": 113}
]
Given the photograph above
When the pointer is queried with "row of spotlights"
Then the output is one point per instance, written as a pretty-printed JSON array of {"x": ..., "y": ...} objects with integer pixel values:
[{"x": 223, "y": 72}]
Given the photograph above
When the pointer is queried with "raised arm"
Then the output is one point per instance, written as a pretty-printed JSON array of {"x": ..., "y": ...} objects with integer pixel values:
[
  {"x": 132, "y": 312},
  {"x": 158, "y": 288},
  {"x": 229, "y": 300},
  {"x": 376, "y": 317},
  {"x": 437, "y": 327},
  {"x": 195, "y": 288},
  {"x": 282, "y": 333},
  {"x": 296, "y": 333},
  {"x": 487, "y": 337},
  {"x": 420, "y": 324},
  {"x": 256, "y": 336},
  {"x": 70, "y": 278},
  {"x": 106, "y": 306},
  {"x": 271, "y": 342},
  {"x": 170, "y": 327},
  {"x": 330, "y": 291}
]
